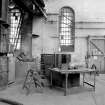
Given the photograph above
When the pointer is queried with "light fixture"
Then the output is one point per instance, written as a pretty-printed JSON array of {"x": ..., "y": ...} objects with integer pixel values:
[
  {"x": 34, "y": 7},
  {"x": 11, "y": 4}
]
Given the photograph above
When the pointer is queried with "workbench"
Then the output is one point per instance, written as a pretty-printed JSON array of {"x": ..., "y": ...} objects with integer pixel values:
[{"x": 82, "y": 71}]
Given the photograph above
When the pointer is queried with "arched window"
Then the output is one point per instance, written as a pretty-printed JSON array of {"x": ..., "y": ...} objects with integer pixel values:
[
  {"x": 15, "y": 24},
  {"x": 67, "y": 29}
]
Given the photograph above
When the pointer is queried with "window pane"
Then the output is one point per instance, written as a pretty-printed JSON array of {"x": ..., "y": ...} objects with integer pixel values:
[
  {"x": 66, "y": 26},
  {"x": 14, "y": 28}
]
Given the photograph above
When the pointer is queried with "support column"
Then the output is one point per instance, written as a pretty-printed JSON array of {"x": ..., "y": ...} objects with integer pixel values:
[{"x": 26, "y": 46}]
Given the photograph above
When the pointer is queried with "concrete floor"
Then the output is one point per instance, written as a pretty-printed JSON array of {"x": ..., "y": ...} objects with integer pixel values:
[{"x": 77, "y": 96}]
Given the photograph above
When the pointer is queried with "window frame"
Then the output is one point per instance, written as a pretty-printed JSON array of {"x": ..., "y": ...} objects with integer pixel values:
[
  {"x": 13, "y": 42},
  {"x": 68, "y": 33}
]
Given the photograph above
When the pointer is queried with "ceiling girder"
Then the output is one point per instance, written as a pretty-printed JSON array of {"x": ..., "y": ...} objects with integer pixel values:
[{"x": 27, "y": 5}]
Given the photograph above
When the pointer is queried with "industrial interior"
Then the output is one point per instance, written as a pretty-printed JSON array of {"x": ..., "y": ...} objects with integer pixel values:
[{"x": 52, "y": 52}]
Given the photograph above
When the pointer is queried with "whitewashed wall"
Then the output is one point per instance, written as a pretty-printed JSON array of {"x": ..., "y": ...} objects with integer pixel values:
[{"x": 89, "y": 21}]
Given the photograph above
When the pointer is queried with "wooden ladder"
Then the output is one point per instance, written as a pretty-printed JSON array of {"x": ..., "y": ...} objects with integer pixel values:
[{"x": 32, "y": 77}]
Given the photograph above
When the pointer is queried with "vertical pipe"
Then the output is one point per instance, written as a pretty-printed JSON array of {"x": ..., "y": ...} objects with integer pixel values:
[
  {"x": 83, "y": 78},
  {"x": 104, "y": 54},
  {"x": 94, "y": 73},
  {"x": 51, "y": 78},
  {"x": 66, "y": 84}
]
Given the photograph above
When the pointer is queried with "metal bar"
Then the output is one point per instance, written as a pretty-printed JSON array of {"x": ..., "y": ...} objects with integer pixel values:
[
  {"x": 66, "y": 84},
  {"x": 83, "y": 78},
  {"x": 89, "y": 84},
  {"x": 51, "y": 79},
  {"x": 97, "y": 47},
  {"x": 66, "y": 17},
  {"x": 94, "y": 81},
  {"x": 34, "y": 2},
  {"x": 104, "y": 52}
]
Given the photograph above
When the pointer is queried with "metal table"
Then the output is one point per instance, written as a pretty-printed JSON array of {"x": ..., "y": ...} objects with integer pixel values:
[{"x": 82, "y": 71}]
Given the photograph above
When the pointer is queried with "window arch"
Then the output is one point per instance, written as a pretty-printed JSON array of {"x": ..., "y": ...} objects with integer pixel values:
[{"x": 67, "y": 29}]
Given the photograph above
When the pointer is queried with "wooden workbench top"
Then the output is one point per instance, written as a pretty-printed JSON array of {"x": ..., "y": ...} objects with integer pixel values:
[{"x": 80, "y": 70}]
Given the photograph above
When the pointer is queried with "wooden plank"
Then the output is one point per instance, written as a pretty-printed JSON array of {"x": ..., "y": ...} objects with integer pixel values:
[{"x": 73, "y": 71}]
